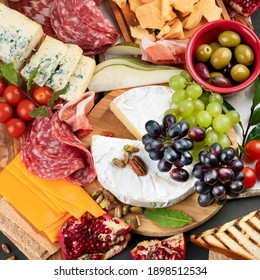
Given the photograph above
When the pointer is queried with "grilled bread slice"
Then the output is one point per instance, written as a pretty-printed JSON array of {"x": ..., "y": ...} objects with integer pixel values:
[{"x": 238, "y": 239}]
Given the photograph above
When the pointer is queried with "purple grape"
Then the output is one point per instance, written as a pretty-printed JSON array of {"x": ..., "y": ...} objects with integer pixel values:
[
  {"x": 199, "y": 170},
  {"x": 156, "y": 144},
  {"x": 179, "y": 174},
  {"x": 211, "y": 160},
  {"x": 153, "y": 128},
  {"x": 227, "y": 155},
  {"x": 183, "y": 144},
  {"x": 202, "y": 155},
  {"x": 226, "y": 174},
  {"x": 236, "y": 186},
  {"x": 171, "y": 155},
  {"x": 205, "y": 199},
  {"x": 219, "y": 191},
  {"x": 240, "y": 176},
  {"x": 211, "y": 177},
  {"x": 221, "y": 201},
  {"x": 184, "y": 126},
  {"x": 196, "y": 134},
  {"x": 168, "y": 120},
  {"x": 186, "y": 158},
  {"x": 201, "y": 187},
  {"x": 236, "y": 165},
  {"x": 215, "y": 149},
  {"x": 156, "y": 155},
  {"x": 174, "y": 130},
  {"x": 146, "y": 138},
  {"x": 163, "y": 165},
  {"x": 178, "y": 164}
]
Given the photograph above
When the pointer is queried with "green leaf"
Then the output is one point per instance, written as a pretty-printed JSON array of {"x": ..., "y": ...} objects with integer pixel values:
[
  {"x": 256, "y": 99},
  {"x": 168, "y": 217},
  {"x": 242, "y": 150},
  {"x": 10, "y": 74},
  {"x": 255, "y": 119},
  {"x": 41, "y": 111},
  {"x": 254, "y": 134},
  {"x": 56, "y": 95},
  {"x": 32, "y": 76}
]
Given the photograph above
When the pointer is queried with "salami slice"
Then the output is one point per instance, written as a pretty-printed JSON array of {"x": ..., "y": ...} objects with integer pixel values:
[
  {"x": 29, "y": 11},
  {"x": 40, "y": 7},
  {"x": 16, "y": 6},
  {"x": 48, "y": 155},
  {"x": 47, "y": 3}
]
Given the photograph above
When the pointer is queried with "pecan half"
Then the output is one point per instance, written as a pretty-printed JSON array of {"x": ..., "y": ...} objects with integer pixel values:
[{"x": 138, "y": 166}]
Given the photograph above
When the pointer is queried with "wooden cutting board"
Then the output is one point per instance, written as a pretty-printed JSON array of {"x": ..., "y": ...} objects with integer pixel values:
[{"x": 126, "y": 18}]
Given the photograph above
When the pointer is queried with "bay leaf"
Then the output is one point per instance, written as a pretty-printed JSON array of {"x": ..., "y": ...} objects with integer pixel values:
[
  {"x": 254, "y": 134},
  {"x": 56, "y": 95},
  {"x": 168, "y": 217},
  {"x": 32, "y": 76},
  {"x": 255, "y": 119},
  {"x": 10, "y": 74},
  {"x": 41, "y": 111},
  {"x": 256, "y": 98}
]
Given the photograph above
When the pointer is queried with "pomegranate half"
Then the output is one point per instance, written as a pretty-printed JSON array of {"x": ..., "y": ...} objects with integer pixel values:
[{"x": 90, "y": 238}]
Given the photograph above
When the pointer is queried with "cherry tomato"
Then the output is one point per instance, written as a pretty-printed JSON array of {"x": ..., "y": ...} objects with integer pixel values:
[
  {"x": 24, "y": 108},
  {"x": 6, "y": 112},
  {"x": 257, "y": 168},
  {"x": 15, "y": 128},
  {"x": 13, "y": 95},
  {"x": 250, "y": 177},
  {"x": 253, "y": 149},
  {"x": 42, "y": 94},
  {"x": 2, "y": 87}
]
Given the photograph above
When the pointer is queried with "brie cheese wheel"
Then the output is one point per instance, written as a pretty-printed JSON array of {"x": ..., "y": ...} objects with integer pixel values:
[
  {"x": 155, "y": 190},
  {"x": 138, "y": 105}
]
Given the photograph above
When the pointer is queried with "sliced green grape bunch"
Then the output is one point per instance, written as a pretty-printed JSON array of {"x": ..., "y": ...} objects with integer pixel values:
[{"x": 198, "y": 107}]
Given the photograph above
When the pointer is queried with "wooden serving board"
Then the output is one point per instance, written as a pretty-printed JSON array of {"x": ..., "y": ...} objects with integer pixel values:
[
  {"x": 217, "y": 256},
  {"x": 126, "y": 18}
]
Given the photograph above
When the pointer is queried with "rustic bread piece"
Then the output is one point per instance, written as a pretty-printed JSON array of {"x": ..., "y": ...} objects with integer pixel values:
[
  {"x": 238, "y": 239},
  {"x": 29, "y": 240}
]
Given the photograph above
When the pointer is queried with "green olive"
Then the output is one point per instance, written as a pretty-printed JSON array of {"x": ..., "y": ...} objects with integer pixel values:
[
  {"x": 215, "y": 46},
  {"x": 244, "y": 54},
  {"x": 239, "y": 73},
  {"x": 229, "y": 39},
  {"x": 221, "y": 58},
  {"x": 203, "y": 53}
]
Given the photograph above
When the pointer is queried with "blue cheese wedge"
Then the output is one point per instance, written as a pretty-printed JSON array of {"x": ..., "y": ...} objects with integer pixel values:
[
  {"x": 80, "y": 78},
  {"x": 138, "y": 105},
  {"x": 63, "y": 72},
  {"x": 155, "y": 190},
  {"x": 19, "y": 35},
  {"x": 49, "y": 55}
]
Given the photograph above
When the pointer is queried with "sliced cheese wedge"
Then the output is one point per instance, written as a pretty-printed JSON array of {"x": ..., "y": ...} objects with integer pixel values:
[{"x": 156, "y": 189}]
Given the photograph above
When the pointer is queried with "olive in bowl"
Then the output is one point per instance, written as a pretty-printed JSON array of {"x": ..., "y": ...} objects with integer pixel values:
[{"x": 223, "y": 56}]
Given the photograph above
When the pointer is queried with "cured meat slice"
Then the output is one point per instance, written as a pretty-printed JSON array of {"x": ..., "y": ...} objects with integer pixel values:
[
  {"x": 75, "y": 112},
  {"x": 40, "y": 7},
  {"x": 46, "y": 153},
  {"x": 47, "y": 3},
  {"x": 29, "y": 11}
]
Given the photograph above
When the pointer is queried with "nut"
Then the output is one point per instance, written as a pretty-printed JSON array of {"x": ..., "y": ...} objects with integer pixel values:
[
  {"x": 104, "y": 203},
  {"x": 11, "y": 258},
  {"x": 118, "y": 211},
  {"x": 138, "y": 222},
  {"x": 117, "y": 162},
  {"x": 5, "y": 248},
  {"x": 99, "y": 198},
  {"x": 136, "y": 210},
  {"x": 97, "y": 193},
  {"x": 138, "y": 166},
  {"x": 108, "y": 195},
  {"x": 126, "y": 157},
  {"x": 125, "y": 209},
  {"x": 131, "y": 149},
  {"x": 111, "y": 205},
  {"x": 128, "y": 221}
]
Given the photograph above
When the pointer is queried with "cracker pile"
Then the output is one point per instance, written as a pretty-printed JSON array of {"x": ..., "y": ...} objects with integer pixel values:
[{"x": 168, "y": 19}]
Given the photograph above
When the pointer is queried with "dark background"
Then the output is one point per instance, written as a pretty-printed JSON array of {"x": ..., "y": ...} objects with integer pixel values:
[{"x": 231, "y": 210}]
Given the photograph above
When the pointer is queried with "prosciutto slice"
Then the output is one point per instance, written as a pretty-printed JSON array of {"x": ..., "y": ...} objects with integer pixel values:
[{"x": 167, "y": 52}]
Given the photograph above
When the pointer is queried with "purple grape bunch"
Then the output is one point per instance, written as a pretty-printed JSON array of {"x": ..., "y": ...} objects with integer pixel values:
[
  {"x": 169, "y": 144},
  {"x": 219, "y": 174}
]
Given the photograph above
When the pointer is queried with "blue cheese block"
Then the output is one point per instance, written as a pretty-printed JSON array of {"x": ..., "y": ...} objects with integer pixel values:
[
  {"x": 63, "y": 72},
  {"x": 19, "y": 35},
  {"x": 49, "y": 55},
  {"x": 80, "y": 78}
]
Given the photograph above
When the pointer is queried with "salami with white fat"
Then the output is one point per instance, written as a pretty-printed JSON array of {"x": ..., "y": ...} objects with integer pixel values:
[
  {"x": 40, "y": 7},
  {"x": 51, "y": 151}
]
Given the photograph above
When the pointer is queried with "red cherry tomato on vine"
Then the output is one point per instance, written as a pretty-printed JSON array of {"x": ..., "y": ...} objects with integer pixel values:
[
  {"x": 24, "y": 109},
  {"x": 13, "y": 95},
  {"x": 250, "y": 177},
  {"x": 15, "y": 128},
  {"x": 6, "y": 112},
  {"x": 42, "y": 94},
  {"x": 2, "y": 87},
  {"x": 253, "y": 149},
  {"x": 257, "y": 168}
]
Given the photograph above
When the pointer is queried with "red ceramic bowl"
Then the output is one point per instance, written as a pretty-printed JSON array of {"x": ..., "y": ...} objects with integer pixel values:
[{"x": 209, "y": 33}]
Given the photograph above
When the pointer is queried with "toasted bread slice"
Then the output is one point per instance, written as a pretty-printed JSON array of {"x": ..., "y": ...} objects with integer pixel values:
[{"x": 238, "y": 239}]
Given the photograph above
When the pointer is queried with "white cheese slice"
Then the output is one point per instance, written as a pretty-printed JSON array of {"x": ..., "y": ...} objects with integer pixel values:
[
  {"x": 63, "y": 72},
  {"x": 48, "y": 57},
  {"x": 19, "y": 35},
  {"x": 156, "y": 189},
  {"x": 138, "y": 105},
  {"x": 80, "y": 78}
]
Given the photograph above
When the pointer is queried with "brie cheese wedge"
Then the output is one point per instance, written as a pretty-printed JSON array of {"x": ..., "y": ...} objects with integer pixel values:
[
  {"x": 138, "y": 105},
  {"x": 155, "y": 190}
]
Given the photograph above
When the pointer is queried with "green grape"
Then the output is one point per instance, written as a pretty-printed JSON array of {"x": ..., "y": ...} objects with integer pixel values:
[
  {"x": 177, "y": 82},
  {"x": 194, "y": 91},
  {"x": 185, "y": 108},
  {"x": 198, "y": 147},
  {"x": 205, "y": 98},
  {"x": 191, "y": 120},
  {"x": 234, "y": 116},
  {"x": 198, "y": 105},
  {"x": 211, "y": 137},
  {"x": 169, "y": 111},
  {"x": 216, "y": 97},
  {"x": 186, "y": 75},
  {"x": 214, "y": 108},
  {"x": 179, "y": 95},
  {"x": 204, "y": 119},
  {"x": 223, "y": 140},
  {"x": 221, "y": 123}
]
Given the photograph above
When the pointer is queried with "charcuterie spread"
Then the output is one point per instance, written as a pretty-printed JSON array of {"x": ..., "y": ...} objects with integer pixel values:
[{"x": 92, "y": 166}]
